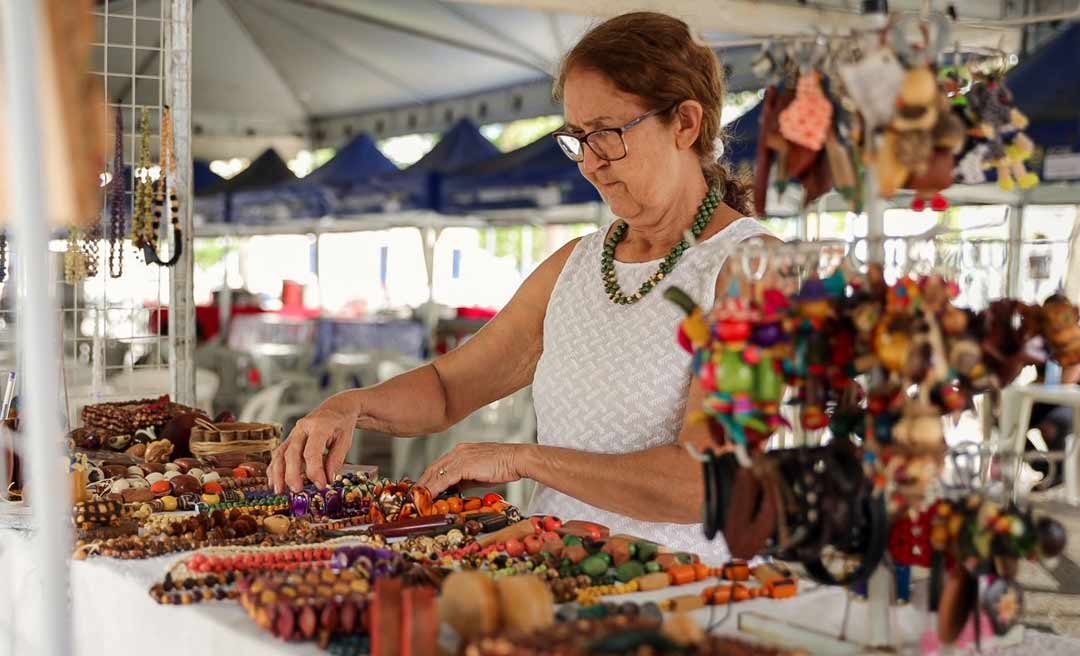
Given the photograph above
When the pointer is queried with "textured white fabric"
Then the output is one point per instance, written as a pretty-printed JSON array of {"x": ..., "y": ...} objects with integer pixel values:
[{"x": 613, "y": 379}]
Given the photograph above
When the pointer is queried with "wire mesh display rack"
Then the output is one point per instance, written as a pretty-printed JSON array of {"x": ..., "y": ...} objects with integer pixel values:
[{"x": 115, "y": 343}]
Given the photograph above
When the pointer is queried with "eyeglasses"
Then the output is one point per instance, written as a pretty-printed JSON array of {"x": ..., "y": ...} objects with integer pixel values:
[{"x": 607, "y": 143}]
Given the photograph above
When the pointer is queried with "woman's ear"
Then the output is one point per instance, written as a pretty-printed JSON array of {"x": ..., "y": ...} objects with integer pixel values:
[{"x": 688, "y": 123}]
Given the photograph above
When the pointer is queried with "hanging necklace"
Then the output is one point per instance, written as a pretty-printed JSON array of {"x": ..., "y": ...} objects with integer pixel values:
[
  {"x": 704, "y": 214},
  {"x": 117, "y": 203},
  {"x": 168, "y": 167},
  {"x": 142, "y": 232}
]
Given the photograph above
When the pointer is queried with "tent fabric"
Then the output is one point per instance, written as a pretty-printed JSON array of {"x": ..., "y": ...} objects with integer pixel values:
[
  {"x": 313, "y": 196},
  {"x": 357, "y": 160},
  {"x": 534, "y": 176},
  {"x": 1046, "y": 88},
  {"x": 740, "y": 145},
  {"x": 229, "y": 200},
  {"x": 417, "y": 187},
  {"x": 202, "y": 177},
  {"x": 1045, "y": 85}
]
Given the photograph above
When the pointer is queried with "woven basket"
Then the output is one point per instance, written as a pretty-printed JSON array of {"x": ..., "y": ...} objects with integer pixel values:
[{"x": 229, "y": 442}]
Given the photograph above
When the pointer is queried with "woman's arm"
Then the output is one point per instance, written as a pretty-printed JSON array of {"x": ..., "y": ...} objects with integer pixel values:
[
  {"x": 661, "y": 484},
  {"x": 497, "y": 361}
]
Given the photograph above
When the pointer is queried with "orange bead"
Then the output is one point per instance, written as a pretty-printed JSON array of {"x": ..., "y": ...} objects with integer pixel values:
[
  {"x": 701, "y": 571},
  {"x": 456, "y": 504},
  {"x": 213, "y": 487},
  {"x": 240, "y": 472},
  {"x": 441, "y": 507},
  {"x": 473, "y": 503}
]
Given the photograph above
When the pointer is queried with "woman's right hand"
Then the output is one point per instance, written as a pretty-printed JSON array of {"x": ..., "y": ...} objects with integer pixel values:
[{"x": 305, "y": 451}]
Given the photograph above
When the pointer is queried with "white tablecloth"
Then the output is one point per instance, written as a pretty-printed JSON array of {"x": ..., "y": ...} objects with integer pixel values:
[{"x": 114, "y": 614}]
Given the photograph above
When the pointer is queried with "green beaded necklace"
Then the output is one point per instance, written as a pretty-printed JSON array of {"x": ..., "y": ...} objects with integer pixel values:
[{"x": 618, "y": 233}]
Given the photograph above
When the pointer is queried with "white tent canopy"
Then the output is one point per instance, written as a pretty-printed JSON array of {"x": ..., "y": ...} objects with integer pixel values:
[{"x": 296, "y": 73}]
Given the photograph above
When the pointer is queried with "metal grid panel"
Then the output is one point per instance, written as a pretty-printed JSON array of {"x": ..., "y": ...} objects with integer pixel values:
[{"x": 110, "y": 328}]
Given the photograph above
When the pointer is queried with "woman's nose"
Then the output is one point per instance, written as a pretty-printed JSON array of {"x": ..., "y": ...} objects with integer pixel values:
[{"x": 592, "y": 162}]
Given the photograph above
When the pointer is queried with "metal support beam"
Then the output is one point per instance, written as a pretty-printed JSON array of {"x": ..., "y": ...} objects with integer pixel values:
[
  {"x": 177, "y": 53},
  {"x": 25, "y": 52}
]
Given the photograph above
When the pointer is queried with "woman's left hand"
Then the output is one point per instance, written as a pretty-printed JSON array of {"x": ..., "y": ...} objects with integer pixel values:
[{"x": 483, "y": 462}]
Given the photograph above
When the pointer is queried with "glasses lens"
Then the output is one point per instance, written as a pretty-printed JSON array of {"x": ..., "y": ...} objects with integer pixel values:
[
  {"x": 608, "y": 144},
  {"x": 571, "y": 146}
]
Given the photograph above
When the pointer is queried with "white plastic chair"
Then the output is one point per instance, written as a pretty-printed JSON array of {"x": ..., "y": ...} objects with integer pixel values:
[
  {"x": 1017, "y": 402},
  {"x": 265, "y": 406},
  {"x": 349, "y": 369}
]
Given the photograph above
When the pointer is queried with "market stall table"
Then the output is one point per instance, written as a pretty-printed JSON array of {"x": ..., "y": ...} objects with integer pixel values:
[{"x": 113, "y": 611}]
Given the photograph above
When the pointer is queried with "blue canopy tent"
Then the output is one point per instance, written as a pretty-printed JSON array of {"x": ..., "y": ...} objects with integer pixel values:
[
  {"x": 313, "y": 196},
  {"x": 417, "y": 187},
  {"x": 1047, "y": 89},
  {"x": 742, "y": 138},
  {"x": 218, "y": 203},
  {"x": 202, "y": 177},
  {"x": 538, "y": 175}
]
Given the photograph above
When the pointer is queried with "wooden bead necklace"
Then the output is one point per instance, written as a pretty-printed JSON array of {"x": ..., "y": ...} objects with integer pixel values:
[
  {"x": 608, "y": 275},
  {"x": 168, "y": 168},
  {"x": 195, "y": 589},
  {"x": 142, "y": 232},
  {"x": 117, "y": 203}
]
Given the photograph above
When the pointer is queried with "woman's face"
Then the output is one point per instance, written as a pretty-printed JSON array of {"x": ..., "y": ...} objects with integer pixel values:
[{"x": 648, "y": 178}]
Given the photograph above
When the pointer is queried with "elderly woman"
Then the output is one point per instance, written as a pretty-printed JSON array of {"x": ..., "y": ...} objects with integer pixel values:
[{"x": 589, "y": 329}]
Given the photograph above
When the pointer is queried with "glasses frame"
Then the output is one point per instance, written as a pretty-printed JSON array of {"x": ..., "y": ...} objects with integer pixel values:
[{"x": 621, "y": 131}]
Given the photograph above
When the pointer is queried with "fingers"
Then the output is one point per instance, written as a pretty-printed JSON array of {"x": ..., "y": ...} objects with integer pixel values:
[
  {"x": 276, "y": 471},
  {"x": 314, "y": 457},
  {"x": 427, "y": 478},
  {"x": 338, "y": 450},
  {"x": 441, "y": 475},
  {"x": 439, "y": 484},
  {"x": 294, "y": 459}
]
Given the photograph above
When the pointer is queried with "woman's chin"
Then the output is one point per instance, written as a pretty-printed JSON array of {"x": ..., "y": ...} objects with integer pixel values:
[{"x": 620, "y": 205}]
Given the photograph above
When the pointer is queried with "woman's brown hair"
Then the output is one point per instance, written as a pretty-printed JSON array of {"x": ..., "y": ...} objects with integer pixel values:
[{"x": 656, "y": 57}]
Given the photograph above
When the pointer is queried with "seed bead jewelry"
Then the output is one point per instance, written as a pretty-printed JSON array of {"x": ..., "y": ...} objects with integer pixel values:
[
  {"x": 117, "y": 204},
  {"x": 704, "y": 214},
  {"x": 142, "y": 232}
]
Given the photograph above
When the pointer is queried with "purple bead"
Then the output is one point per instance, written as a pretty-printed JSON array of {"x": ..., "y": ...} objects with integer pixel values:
[
  {"x": 333, "y": 503},
  {"x": 340, "y": 560},
  {"x": 768, "y": 334},
  {"x": 300, "y": 504}
]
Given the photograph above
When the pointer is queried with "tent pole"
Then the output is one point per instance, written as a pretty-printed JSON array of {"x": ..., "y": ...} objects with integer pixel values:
[
  {"x": 1012, "y": 252},
  {"x": 182, "y": 334},
  {"x": 431, "y": 316},
  {"x": 38, "y": 340}
]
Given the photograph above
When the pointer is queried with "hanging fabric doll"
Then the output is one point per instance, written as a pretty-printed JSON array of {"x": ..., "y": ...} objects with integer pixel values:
[{"x": 1000, "y": 126}]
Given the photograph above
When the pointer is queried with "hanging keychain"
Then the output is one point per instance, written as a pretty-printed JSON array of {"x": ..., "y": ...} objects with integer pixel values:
[{"x": 168, "y": 171}]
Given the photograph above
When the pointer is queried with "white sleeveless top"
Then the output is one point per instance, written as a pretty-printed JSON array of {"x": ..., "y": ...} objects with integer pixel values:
[{"x": 613, "y": 378}]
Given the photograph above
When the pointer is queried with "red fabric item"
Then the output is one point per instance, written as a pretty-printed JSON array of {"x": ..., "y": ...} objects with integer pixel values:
[
  {"x": 207, "y": 316},
  {"x": 476, "y": 313}
]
